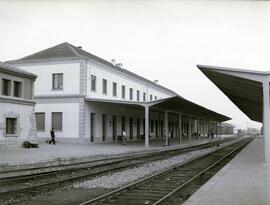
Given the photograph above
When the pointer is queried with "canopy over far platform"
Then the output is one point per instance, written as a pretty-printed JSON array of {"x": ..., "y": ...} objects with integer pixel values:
[
  {"x": 245, "y": 92},
  {"x": 173, "y": 104}
]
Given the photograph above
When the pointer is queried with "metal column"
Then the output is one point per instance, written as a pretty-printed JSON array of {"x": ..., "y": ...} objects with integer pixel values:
[
  {"x": 166, "y": 128},
  {"x": 266, "y": 121},
  {"x": 146, "y": 115}
]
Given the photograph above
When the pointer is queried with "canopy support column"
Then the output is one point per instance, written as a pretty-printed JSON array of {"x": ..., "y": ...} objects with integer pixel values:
[
  {"x": 180, "y": 126},
  {"x": 166, "y": 128},
  {"x": 266, "y": 121},
  {"x": 189, "y": 128},
  {"x": 146, "y": 117}
]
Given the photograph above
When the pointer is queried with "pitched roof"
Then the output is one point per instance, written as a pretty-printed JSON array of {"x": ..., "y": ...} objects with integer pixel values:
[
  {"x": 66, "y": 51},
  {"x": 13, "y": 70}
]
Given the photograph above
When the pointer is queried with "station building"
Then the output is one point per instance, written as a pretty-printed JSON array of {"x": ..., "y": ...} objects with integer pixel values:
[
  {"x": 87, "y": 99},
  {"x": 17, "y": 117}
]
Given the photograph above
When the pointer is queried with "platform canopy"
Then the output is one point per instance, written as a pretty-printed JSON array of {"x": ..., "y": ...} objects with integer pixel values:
[
  {"x": 175, "y": 104},
  {"x": 243, "y": 87}
]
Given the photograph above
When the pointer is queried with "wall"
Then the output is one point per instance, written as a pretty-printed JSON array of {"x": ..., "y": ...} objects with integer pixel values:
[
  {"x": 43, "y": 84},
  {"x": 111, "y": 76},
  {"x": 25, "y": 124},
  {"x": 70, "y": 121},
  {"x": 26, "y": 84}
]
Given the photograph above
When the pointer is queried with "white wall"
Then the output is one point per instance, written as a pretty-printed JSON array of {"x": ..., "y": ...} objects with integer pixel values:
[
  {"x": 43, "y": 84},
  {"x": 23, "y": 115},
  {"x": 104, "y": 72},
  {"x": 70, "y": 114}
]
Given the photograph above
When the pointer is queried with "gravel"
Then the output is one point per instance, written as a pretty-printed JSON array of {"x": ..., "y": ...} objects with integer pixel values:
[{"x": 133, "y": 174}]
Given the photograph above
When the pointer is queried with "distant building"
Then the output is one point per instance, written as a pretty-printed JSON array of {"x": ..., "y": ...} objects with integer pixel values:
[
  {"x": 17, "y": 117},
  {"x": 227, "y": 128},
  {"x": 87, "y": 99}
]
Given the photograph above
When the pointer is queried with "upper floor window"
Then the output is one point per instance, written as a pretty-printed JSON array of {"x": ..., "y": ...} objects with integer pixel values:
[
  {"x": 114, "y": 89},
  {"x": 6, "y": 87},
  {"x": 130, "y": 93},
  {"x": 123, "y": 91},
  {"x": 151, "y": 97},
  {"x": 138, "y": 95},
  {"x": 155, "y": 97},
  {"x": 17, "y": 86},
  {"x": 104, "y": 86},
  {"x": 57, "y": 81},
  {"x": 93, "y": 82},
  {"x": 144, "y": 97}
]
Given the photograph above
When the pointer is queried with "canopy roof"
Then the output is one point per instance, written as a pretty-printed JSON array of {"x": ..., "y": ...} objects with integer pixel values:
[
  {"x": 242, "y": 87},
  {"x": 172, "y": 104}
]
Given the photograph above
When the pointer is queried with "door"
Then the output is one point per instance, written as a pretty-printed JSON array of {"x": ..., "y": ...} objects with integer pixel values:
[
  {"x": 104, "y": 127},
  {"x": 138, "y": 128},
  {"x": 114, "y": 127},
  {"x": 92, "y": 126},
  {"x": 131, "y": 128}
]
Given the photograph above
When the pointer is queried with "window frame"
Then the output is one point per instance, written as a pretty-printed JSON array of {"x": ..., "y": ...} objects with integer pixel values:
[
  {"x": 52, "y": 123},
  {"x": 59, "y": 87},
  {"x": 93, "y": 79},
  {"x": 123, "y": 92},
  {"x": 114, "y": 90},
  {"x": 138, "y": 96},
  {"x": 8, "y": 88},
  {"x": 44, "y": 125},
  {"x": 104, "y": 86},
  {"x": 130, "y": 93},
  {"x": 14, "y": 133},
  {"x": 19, "y": 89}
]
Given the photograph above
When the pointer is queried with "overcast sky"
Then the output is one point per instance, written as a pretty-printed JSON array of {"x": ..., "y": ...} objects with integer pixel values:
[{"x": 161, "y": 40}]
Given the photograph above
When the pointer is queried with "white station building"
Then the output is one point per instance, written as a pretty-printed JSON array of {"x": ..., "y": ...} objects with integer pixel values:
[
  {"x": 17, "y": 116},
  {"x": 87, "y": 99}
]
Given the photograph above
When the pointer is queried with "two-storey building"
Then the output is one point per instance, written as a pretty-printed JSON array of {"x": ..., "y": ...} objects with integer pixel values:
[
  {"x": 17, "y": 117},
  {"x": 88, "y": 99}
]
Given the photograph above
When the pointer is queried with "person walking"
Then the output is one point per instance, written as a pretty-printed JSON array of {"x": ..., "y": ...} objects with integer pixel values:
[
  {"x": 124, "y": 137},
  {"x": 52, "y": 136}
]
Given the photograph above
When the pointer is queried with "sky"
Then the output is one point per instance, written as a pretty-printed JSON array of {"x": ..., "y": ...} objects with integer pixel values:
[{"x": 160, "y": 40}]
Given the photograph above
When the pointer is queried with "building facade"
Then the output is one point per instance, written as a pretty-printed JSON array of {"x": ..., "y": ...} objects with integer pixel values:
[
  {"x": 87, "y": 99},
  {"x": 17, "y": 117}
]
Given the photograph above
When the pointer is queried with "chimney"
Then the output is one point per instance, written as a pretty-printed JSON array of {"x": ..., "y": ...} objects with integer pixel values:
[
  {"x": 79, "y": 47},
  {"x": 119, "y": 65},
  {"x": 113, "y": 61},
  {"x": 155, "y": 81}
]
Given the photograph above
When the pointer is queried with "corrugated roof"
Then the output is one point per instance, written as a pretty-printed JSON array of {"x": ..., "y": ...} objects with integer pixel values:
[
  {"x": 14, "y": 70},
  {"x": 66, "y": 51}
]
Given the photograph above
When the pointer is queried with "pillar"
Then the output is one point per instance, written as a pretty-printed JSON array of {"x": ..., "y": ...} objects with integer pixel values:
[
  {"x": 189, "y": 128},
  {"x": 180, "y": 127},
  {"x": 266, "y": 121},
  {"x": 146, "y": 116},
  {"x": 166, "y": 128}
]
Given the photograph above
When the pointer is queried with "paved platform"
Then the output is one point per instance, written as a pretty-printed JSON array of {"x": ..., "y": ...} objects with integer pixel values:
[
  {"x": 244, "y": 181},
  {"x": 48, "y": 154}
]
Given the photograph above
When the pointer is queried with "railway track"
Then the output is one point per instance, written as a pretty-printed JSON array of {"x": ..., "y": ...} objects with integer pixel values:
[
  {"x": 174, "y": 185},
  {"x": 16, "y": 187}
]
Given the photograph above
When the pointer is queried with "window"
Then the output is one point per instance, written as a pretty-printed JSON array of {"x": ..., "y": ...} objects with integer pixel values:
[
  {"x": 151, "y": 97},
  {"x": 123, "y": 92},
  {"x": 40, "y": 119},
  {"x": 104, "y": 86},
  {"x": 11, "y": 124},
  {"x": 144, "y": 96},
  {"x": 6, "y": 87},
  {"x": 130, "y": 93},
  {"x": 57, "y": 121},
  {"x": 155, "y": 97},
  {"x": 138, "y": 95},
  {"x": 93, "y": 82},
  {"x": 17, "y": 92},
  {"x": 114, "y": 89},
  {"x": 57, "y": 81}
]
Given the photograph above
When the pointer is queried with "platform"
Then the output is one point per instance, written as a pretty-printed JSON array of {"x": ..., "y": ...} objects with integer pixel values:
[
  {"x": 60, "y": 153},
  {"x": 244, "y": 181}
]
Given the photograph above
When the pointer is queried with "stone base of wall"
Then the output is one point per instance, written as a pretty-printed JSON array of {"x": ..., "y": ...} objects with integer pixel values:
[{"x": 10, "y": 143}]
